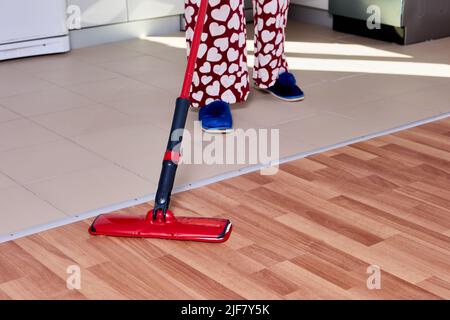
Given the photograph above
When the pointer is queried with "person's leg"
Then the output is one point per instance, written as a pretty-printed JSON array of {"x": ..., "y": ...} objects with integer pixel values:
[
  {"x": 270, "y": 22},
  {"x": 271, "y": 68},
  {"x": 221, "y": 71}
]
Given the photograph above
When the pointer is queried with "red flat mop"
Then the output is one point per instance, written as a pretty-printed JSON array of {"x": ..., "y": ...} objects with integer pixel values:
[{"x": 160, "y": 221}]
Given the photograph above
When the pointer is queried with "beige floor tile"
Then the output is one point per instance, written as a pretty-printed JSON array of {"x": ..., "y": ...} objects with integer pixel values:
[
  {"x": 75, "y": 74},
  {"x": 369, "y": 65},
  {"x": 6, "y": 115},
  {"x": 391, "y": 85},
  {"x": 298, "y": 31},
  {"x": 92, "y": 189},
  {"x": 138, "y": 45},
  {"x": 436, "y": 96},
  {"x": 45, "y": 101},
  {"x": 176, "y": 56},
  {"x": 335, "y": 95},
  {"x": 354, "y": 39},
  {"x": 434, "y": 51},
  {"x": 138, "y": 148},
  {"x": 197, "y": 162},
  {"x": 45, "y": 161},
  {"x": 148, "y": 166},
  {"x": 38, "y": 64},
  {"x": 123, "y": 139},
  {"x": 6, "y": 181},
  {"x": 307, "y": 78},
  {"x": 81, "y": 121},
  {"x": 388, "y": 113},
  {"x": 13, "y": 82},
  {"x": 60, "y": 69},
  {"x": 343, "y": 50},
  {"x": 317, "y": 131},
  {"x": 155, "y": 106},
  {"x": 149, "y": 47},
  {"x": 110, "y": 90},
  {"x": 21, "y": 209},
  {"x": 23, "y": 133},
  {"x": 7, "y": 67},
  {"x": 354, "y": 91},
  {"x": 190, "y": 173},
  {"x": 104, "y": 53},
  {"x": 138, "y": 65},
  {"x": 169, "y": 81},
  {"x": 444, "y": 109},
  {"x": 206, "y": 155},
  {"x": 238, "y": 121},
  {"x": 144, "y": 163},
  {"x": 263, "y": 110}
]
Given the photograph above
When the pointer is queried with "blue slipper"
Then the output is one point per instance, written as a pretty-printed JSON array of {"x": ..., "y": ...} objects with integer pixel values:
[
  {"x": 285, "y": 88},
  {"x": 216, "y": 117}
]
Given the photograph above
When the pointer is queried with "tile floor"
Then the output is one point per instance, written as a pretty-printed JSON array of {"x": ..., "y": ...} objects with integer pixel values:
[{"x": 86, "y": 130}]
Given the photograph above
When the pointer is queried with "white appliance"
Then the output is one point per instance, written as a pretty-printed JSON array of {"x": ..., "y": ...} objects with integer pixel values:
[{"x": 32, "y": 27}]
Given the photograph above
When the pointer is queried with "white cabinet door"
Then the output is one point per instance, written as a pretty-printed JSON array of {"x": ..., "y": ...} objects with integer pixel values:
[
  {"x": 145, "y": 9},
  {"x": 100, "y": 12},
  {"x": 22, "y": 20}
]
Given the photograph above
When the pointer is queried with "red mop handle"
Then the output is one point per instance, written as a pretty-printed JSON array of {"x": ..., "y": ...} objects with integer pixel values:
[{"x": 185, "y": 92}]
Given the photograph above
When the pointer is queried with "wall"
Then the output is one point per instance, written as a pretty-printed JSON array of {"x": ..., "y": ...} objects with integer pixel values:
[
  {"x": 319, "y": 4},
  {"x": 146, "y": 9},
  {"x": 105, "y": 21},
  {"x": 113, "y": 20},
  {"x": 104, "y": 12}
]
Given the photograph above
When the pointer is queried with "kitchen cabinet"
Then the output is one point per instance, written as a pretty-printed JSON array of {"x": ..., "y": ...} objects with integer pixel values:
[
  {"x": 30, "y": 27},
  {"x": 101, "y": 12},
  {"x": 401, "y": 21},
  {"x": 146, "y": 9}
]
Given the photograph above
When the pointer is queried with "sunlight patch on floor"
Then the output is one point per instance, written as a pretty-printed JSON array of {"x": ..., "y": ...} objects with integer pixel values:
[
  {"x": 173, "y": 42},
  {"x": 370, "y": 66},
  {"x": 339, "y": 65},
  {"x": 300, "y": 47},
  {"x": 338, "y": 49}
]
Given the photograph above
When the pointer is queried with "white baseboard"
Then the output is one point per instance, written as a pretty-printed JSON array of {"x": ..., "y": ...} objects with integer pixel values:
[
  {"x": 92, "y": 36},
  {"x": 34, "y": 47}
]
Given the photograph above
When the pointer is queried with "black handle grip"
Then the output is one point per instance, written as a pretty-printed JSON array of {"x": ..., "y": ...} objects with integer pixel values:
[{"x": 169, "y": 167}]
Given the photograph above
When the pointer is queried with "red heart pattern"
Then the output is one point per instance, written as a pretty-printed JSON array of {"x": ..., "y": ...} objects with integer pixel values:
[{"x": 222, "y": 62}]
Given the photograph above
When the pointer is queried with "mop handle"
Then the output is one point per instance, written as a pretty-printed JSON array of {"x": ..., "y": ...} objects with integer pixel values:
[
  {"x": 185, "y": 92},
  {"x": 172, "y": 155}
]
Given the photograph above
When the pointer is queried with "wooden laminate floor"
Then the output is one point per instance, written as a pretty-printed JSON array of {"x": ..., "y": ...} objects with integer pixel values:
[{"x": 310, "y": 232}]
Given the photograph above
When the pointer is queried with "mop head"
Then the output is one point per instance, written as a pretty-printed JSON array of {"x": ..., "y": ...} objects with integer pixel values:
[{"x": 169, "y": 227}]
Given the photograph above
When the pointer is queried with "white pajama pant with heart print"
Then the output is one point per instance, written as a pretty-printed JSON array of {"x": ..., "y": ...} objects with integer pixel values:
[{"x": 221, "y": 71}]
